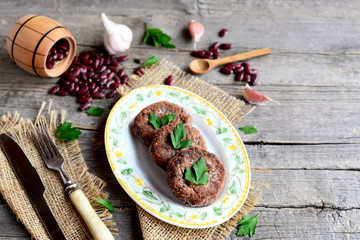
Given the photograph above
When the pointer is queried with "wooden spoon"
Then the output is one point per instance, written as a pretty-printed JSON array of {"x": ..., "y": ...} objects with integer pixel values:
[{"x": 201, "y": 66}]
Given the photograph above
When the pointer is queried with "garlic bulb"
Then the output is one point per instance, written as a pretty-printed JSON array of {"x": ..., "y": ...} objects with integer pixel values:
[
  {"x": 196, "y": 30},
  {"x": 117, "y": 37}
]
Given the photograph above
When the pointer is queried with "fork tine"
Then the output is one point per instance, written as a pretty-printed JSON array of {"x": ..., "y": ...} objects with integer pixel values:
[
  {"x": 51, "y": 143},
  {"x": 39, "y": 144}
]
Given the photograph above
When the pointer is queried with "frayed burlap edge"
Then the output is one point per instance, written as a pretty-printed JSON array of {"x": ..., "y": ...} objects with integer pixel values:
[
  {"x": 66, "y": 215},
  {"x": 234, "y": 109}
]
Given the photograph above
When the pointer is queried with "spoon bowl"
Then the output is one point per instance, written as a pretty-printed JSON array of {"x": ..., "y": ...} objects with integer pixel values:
[{"x": 201, "y": 66}]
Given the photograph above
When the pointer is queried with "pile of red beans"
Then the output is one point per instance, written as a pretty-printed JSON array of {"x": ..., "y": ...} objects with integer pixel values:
[
  {"x": 92, "y": 75},
  {"x": 57, "y": 53},
  {"x": 242, "y": 71}
]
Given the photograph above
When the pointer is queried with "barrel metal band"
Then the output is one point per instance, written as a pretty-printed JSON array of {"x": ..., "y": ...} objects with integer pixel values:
[
  {"x": 17, "y": 32},
  {"x": 38, "y": 44}
]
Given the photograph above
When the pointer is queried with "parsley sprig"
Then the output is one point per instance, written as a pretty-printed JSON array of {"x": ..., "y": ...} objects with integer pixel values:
[
  {"x": 156, "y": 37},
  {"x": 160, "y": 122},
  {"x": 150, "y": 61},
  {"x": 197, "y": 173},
  {"x": 179, "y": 134},
  {"x": 65, "y": 132},
  {"x": 248, "y": 225},
  {"x": 106, "y": 203}
]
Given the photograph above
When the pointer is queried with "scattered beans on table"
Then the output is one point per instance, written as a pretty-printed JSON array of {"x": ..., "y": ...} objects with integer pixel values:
[{"x": 92, "y": 75}]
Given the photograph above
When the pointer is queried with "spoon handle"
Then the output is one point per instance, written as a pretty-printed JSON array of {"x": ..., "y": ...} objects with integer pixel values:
[{"x": 242, "y": 56}]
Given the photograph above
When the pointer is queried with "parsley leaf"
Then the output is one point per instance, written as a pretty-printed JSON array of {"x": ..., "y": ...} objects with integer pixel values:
[
  {"x": 248, "y": 129},
  {"x": 165, "y": 120},
  {"x": 155, "y": 37},
  {"x": 248, "y": 225},
  {"x": 95, "y": 111},
  {"x": 155, "y": 121},
  {"x": 176, "y": 138},
  {"x": 67, "y": 133},
  {"x": 151, "y": 61},
  {"x": 197, "y": 173},
  {"x": 160, "y": 122},
  {"x": 106, "y": 203}
]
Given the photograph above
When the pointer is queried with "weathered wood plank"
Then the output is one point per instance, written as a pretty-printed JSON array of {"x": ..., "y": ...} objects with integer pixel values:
[
  {"x": 303, "y": 111},
  {"x": 284, "y": 35},
  {"x": 306, "y": 223}
]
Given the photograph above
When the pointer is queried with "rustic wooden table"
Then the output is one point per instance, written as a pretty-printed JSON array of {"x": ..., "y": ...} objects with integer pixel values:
[{"x": 310, "y": 142}]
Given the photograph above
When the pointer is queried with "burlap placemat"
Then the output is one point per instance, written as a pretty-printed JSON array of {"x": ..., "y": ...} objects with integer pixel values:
[
  {"x": 234, "y": 109},
  {"x": 66, "y": 215}
]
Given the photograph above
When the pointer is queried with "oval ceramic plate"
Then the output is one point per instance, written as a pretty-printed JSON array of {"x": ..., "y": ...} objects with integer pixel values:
[{"x": 146, "y": 183}]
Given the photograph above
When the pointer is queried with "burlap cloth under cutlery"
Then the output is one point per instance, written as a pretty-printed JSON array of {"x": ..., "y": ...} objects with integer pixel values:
[
  {"x": 234, "y": 109},
  {"x": 66, "y": 215}
]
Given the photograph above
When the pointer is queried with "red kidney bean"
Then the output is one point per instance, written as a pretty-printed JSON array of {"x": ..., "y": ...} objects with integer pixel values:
[
  {"x": 71, "y": 87},
  {"x": 226, "y": 71},
  {"x": 84, "y": 76},
  {"x": 59, "y": 56},
  {"x": 247, "y": 78},
  {"x": 115, "y": 85},
  {"x": 124, "y": 79},
  {"x": 61, "y": 93},
  {"x": 76, "y": 88},
  {"x": 111, "y": 94},
  {"x": 75, "y": 63},
  {"x": 88, "y": 61},
  {"x": 225, "y": 46},
  {"x": 84, "y": 99},
  {"x": 85, "y": 56},
  {"x": 239, "y": 76},
  {"x": 215, "y": 45},
  {"x": 254, "y": 79},
  {"x": 92, "y": 85},
  {"x": 123, "y": 58},
  {"x": 121, "y": 72},
  {"x": 223, "y": 32},
  {"x": 66, "y": 82},
  {"x": 95, "y": 63},
  {"x": 208, "y": 55},
  {"x": 138, "y": 71},
  {"x": 112, "y": 68},
  {"x": 100, "y": 69},
  {"x": 238, "y": 69},
  {"x": 84, "y": 95},
  {"x": 233, "y": 65},
  {"x": 49, "y": 65},
  {"x": 252, "y": 71},
  {"x": 54, "y": 89},
  {"x": 74, "y": 73},
  {"x": 106, "y": 61},
  {"x": 169, "y": 80},
  {"x": 73, "y": 79},
  {"x": 90, "y": 74},
  {"x": 198, "y": 54},
  {"x": 97, "y": 95},
  {"x": 85, "y": 106},
  {"x": 215, "y": 52},
  {"x": 83, "y": 89},
  {"x": 109, "y": 83},
  {"x": 101, "y": 61},
  {"x": 116, "y": 78},
  {"x": 110, "y": 75}
]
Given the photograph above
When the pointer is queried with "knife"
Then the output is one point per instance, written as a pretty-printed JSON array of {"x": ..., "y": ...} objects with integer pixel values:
[{"x": 32, "y": 185}]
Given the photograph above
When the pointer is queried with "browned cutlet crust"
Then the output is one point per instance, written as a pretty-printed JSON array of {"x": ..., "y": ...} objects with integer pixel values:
[
  {"x": 145, "y": 132},
  {"x": 161, "y": 148},
  {"x": 189, "y": 193}
]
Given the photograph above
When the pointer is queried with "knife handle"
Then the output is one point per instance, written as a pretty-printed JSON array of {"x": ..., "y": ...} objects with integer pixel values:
[{"x": 97, "y": 228}]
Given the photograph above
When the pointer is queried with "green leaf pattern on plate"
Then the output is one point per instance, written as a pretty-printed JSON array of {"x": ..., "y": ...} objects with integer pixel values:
[{"x": 128, "y": 173}]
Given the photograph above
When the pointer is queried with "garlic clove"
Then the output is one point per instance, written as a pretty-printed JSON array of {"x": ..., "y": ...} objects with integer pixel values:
[
  {"x": 254, "y": 97},
  {"x": 196, "y": 30},
  {"x": 117, "y": 37}
]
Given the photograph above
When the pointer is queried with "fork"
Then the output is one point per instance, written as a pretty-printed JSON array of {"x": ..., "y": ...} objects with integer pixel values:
[{"x": 53, "y": 160}]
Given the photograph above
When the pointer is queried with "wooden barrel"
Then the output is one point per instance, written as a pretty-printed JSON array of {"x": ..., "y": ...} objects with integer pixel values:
[{"x": 30, "y": 41}]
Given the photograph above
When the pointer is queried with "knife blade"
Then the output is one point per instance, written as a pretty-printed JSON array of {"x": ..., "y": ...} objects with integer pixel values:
[{"x": 32, "y": 184}]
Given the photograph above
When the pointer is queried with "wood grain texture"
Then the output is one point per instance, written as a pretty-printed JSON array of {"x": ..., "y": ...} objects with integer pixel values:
[{"x": 310, "y": 142}]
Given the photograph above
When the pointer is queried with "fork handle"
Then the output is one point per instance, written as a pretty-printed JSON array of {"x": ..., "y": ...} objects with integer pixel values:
[{"x": 97, "y": 228}]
